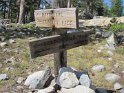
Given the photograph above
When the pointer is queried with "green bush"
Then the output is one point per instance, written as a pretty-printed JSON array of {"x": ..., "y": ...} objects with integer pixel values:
[{"x": 117, "y": 27}]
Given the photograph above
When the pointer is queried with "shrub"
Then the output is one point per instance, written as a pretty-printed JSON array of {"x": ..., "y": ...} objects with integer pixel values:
[{"x": 117, "y": 27}]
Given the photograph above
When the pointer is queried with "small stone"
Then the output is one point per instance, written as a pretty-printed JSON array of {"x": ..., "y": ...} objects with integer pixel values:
[
  {"x": 5, "y": 50},
  {"x": 3, "y": 44},
  {"x": 85, "y": 80},
  {"x": 102, "y": 90},
  {"x": 122, "y": 91},
  {"x": 47, "y": 90},
  {"x": 98, "y": 68},
  {"x": 20, "y": 80},
  {"x": 116, "y": 65},
  {"x": 10, "y": 60},
  {"x": 2, "y": 38},
  {"x": 110, "y": 53},
  {"x": 9, "y": 69},
  {"x": 101, "y": 48},
  {"x": 38, "y": 79},
  {"x": 123, "y": 72},
  {"x": 79, "y": 73},
  {"x": 112, "y": 41},
  {"x": 78, "y": 89},
  {"x": 99, "y": 51},
  {"x": 110, "y": 59},
  {"x": 11, "y": 41},
  {"x": 118, "y": 86},
  {"x": 20, "y": 88},
  {"x": 54, "y": 84},
  {"x": 67, "y": 78},
  {"x": 4, "y": 77},
  {"x": 112, "y": 77}
]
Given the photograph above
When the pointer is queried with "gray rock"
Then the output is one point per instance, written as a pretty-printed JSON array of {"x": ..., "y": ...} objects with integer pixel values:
[
  {"x": 20, "y": 80},
  {"x": 2, "y": 38},
  {"x": 78, "y": 89},
  {"x": 4, "y": 77},
  {"x": 98, "y": 32},
  {"x": 11, "y": 41},
  {"x": 110, "y": 53},
  {"x": 79, "y": 73},
  {"x": 112, "y": 41},
  {"x": 99, "y": 51},
  {"x": 3, "y": 44},
  {"x": 118, "y": 86},
  {"x": 11, "y": 60},
  {"x": 9, "y": 68},
  {"x": 38, "y": 79},
  {"x": 112, "y": 77},
  {"x": 20, "y": 88},
  {"x": 67, "y": 78},
  {"x": 85, "y": 80},
  {"x": 123, "y": 72},
  {"x": 117, "y": 65},
  {"x": 106, "y": 34},
  {"x": 47, "y": 90},
  {"x": 122, "y": 91},
  {"x": 98, "y": 68},
  {"x": 54, "y": 84},
  {"x": 6, "y": 50},
  {"x": 102, "y": 90},
  {"x": 110, "y": 59}
]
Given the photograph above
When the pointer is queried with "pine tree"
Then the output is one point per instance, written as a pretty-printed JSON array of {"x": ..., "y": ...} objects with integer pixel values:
[
  {"x": 106, "y": 10},
  {"x": 116, "y": 8}
]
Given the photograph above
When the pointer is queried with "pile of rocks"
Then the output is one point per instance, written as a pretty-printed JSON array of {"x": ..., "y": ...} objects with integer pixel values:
[{"x": 68, "y": 81}]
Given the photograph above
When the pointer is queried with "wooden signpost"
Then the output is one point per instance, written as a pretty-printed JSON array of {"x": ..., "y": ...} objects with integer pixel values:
[
  {"x": 58, "y": 44},
  {"x": 57, "y": 18}
]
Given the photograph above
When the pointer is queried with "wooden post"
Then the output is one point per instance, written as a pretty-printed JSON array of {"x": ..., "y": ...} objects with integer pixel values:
[{"x": 60, "y": 58}]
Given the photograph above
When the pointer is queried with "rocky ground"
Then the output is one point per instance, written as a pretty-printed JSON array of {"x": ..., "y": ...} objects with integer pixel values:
[
  {"x": 103, "y": 64},
  {"x": 100, "y": 21}
]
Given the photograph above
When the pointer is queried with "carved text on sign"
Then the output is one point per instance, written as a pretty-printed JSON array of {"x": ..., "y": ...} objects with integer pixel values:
[{"x": 59, "y": 18}]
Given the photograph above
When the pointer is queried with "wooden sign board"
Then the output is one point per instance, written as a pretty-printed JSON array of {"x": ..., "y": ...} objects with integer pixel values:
[
  {"x": 57, "y": 43},
  {"x": 57, "y": 18}
]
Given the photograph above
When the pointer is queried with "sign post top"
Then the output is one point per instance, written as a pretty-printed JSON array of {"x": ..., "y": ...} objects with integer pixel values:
[{"x": 57, "y": 18}]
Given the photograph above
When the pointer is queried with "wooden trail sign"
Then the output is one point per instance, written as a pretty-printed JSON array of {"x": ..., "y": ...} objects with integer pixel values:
[
  {"x": 57, "y": 18},
  {"x": 57, "y": 43}
]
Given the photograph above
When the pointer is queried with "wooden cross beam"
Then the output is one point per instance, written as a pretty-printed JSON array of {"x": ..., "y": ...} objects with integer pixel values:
[{"x": 57, "y": 43}]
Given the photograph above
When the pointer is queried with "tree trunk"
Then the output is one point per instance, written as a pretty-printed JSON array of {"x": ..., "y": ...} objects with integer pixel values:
[
  {"x": 55, "y": 4},
  {"x": 4, "y": 11},
  {"x": 9, "y": 11},
  {"x": 21, "y": 13},
  {"x": 39, "y": 2},
  {"x": 69, "y": 3}
]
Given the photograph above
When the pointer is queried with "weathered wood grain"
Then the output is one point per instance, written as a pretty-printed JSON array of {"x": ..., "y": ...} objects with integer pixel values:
[
  {"x": 57, "y": 43},
  {"x": 58, "y": 18}
]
